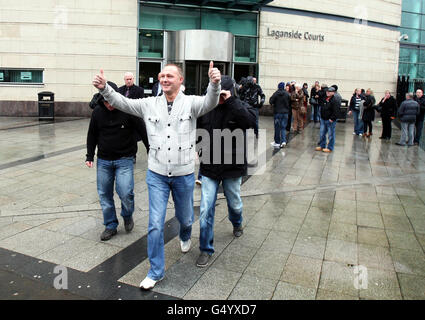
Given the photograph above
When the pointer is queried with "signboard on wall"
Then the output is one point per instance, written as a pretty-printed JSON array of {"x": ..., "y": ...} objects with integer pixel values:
[{"x": 26, "y": 75}]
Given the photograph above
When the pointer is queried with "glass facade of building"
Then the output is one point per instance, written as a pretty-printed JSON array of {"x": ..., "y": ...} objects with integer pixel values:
[
  {"x": 412, "y": 50},
  {"x": 154, "y": 20}
]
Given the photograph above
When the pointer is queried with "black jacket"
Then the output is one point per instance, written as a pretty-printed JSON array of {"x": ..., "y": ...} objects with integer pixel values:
[
  {"x": 250, "y": 93},
  {"x": 136, "y": 92},
  {"x": 113, "y": 132},
  {"x": 314, "y": 93},
  {"x": 408, "y": 111},
  {"x": 388, "y": 108},
  {"x": 369, "y": 110},
  {"x": 421, "y": 102},
  {"x": 330, "y": 110},
  {"x": 233, "y": 114},
  {"x": 281, "y": 101},
  {"x": 322, "y": 96}
]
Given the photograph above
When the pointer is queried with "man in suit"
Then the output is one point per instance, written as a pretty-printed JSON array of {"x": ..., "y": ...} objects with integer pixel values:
[{"x": 132, "y": 91}]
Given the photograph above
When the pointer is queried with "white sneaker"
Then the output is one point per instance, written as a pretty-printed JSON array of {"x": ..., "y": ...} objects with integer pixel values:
[
  {"x": 185, "y": 245},
  {"x": 198, "y": 182},
  {"x": 276, "y": 145},
  {"x": 354, "y": 133},
  {"x": 360, "y": 135},
  {"x": 148, "y": 283},
  {"x": 283, "y": 145}
]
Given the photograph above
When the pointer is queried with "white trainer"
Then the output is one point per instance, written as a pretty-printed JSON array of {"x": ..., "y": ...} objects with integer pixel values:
[
  {"x": 148, "y": 283},
  {"x": 185, "y": 245},
  {"x": 283, "y": 145},
  {"x": 276, "y": 145}
]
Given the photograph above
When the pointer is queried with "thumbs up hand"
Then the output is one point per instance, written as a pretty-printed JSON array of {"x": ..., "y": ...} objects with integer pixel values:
[
  {"x": 99, "y": 80},
  {"x": 214, "y": 74}
]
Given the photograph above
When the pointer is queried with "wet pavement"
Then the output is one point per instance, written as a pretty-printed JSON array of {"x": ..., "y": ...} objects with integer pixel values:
[{"x": 346, "y": 225}]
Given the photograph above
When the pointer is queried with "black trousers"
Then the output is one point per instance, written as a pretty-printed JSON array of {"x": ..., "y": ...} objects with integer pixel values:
[
  {"x": 386, "y": 127},
  {"x": 366, "y": 125}
]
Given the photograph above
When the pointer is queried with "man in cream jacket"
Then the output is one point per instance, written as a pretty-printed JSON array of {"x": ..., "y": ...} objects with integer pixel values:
[{"x": 171, "y": 127}]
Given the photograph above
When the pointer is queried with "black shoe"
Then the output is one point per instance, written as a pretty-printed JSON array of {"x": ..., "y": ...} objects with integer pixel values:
[
  {"x": 128, "y": 224},
  {"x": 399, "y": 144},
  {"x": 203, "y": 260},
  {"x": 382, "y": 137},
  {"x": 108, "y": 234},
  {"x": 237, "y": 231}
]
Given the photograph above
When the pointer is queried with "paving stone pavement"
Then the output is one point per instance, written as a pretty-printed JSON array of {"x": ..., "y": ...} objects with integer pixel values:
[{"x": 347, "y": 225}]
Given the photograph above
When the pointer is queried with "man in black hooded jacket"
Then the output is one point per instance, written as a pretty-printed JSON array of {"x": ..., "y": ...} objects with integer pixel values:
[{"x": 225, "y": 162}]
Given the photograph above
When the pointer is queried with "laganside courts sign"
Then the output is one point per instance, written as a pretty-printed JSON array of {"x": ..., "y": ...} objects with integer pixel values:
[{"x": 277, "y": 34}]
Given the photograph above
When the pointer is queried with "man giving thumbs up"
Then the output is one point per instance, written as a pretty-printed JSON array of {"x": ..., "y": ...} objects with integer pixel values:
[{"x": 171, "y": 127}]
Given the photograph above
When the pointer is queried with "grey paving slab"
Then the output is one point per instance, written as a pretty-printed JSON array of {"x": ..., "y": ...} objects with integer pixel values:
[
  {"x": 10, "y": 229},
  {"x": 330, "y": 295},
  {"x": 267, "y": 264},
  {"x": 381, "y": 285},
  {"x": 408, "y": 261},
  {"x": 235, "y": 257},
  {"x": 35, "y": 241},
  {"x": 288, "y": 291},
  {"x": 343, "y": 231},
  {"x": 315, "y": 227},
  {"x": 372, "y": 236},
  {"x": 375, "y": 257},
  {"x": 403, "y": 240},
  {"x": 302, "y": 271},
  {"x": 344, "y": 216},
  {"x": 278, "y": 241},
  {"x": 341, "y": 251},
  {"x": 412, "y": 286},
  {"x": 308, "y": 246},
  {"x": 253, "y": 236},
  {"x": 372, "y": 220},
  {"x": 338, "y": 277},
  {"x": 250, "y": 287},
  {"x": 397, "y": 223},
  {"x": 215, "y": 284}
]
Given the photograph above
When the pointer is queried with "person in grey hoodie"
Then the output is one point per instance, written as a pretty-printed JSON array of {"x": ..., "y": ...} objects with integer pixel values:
[
  {"x": 171, "y": 127},
  {"x": 408, "y": 111}
]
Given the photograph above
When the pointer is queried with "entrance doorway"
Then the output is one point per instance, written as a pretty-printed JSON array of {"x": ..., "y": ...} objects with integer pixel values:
[
  {"x": 148, "y": 75},
  {"x": 244, "y": 70},
  {"x": 196, "y": 76}
]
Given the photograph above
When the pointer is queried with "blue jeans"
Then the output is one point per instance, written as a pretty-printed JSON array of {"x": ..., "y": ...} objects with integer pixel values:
[
  {"x": 407, "y": 133},
  {"x": 326, "y": 127},
  {"x": 280, "y": 122},
  {"x": 232, "y": 188},
  {"x": 315, "y": 114},
  {"x": 159, "y": 188},
  {"x": 358, "y": 123},
  {"x": 121, "y": 172}
]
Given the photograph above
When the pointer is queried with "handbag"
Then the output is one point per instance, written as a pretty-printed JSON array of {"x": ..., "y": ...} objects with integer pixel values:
[
  {"x": 313, "y": 100},
  {"x": 303, "y": 110}
]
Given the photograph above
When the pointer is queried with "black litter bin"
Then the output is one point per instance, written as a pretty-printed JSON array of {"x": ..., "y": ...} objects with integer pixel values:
[
  {"x": 342, "y": 117},
  {"x": 46, "y": 105}
]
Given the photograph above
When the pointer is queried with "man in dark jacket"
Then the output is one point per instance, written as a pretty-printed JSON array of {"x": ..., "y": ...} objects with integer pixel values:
[
  {"x": 387, "y": 107},
  {"x": 131, "y": 91},
  {"x": 112, "y": 131},
  {"x": 329, "y": 115},
  {"x": 281, "y": 103},
  {"x": 420, "y": 98},
  {"x": 225, "y": 162},
  {"x": 251, "y": 93},
  {"x": 408, "y": 111}
]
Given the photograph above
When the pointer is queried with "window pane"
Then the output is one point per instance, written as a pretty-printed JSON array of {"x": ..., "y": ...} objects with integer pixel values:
[
  {"x": 238, "y": 23},
  {"x": 409, "y": 55},
  {"x": 411, "y": 20},
  {"x": 411, "y": 5},
  {"x": 21, "y": 76},
  {"x": 245, "y": 49},
  {"x": 421, "y": 71},
  {"x": 151, "y": 43},
  {"x": 152, "y": 17},
  {"x": 408, "y": 69}
]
